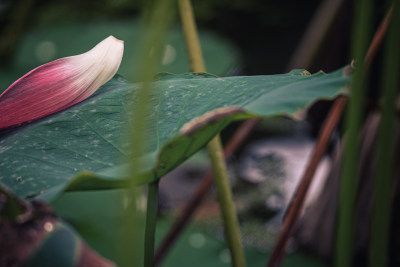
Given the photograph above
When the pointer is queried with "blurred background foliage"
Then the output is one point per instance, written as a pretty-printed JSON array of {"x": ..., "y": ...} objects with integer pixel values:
[
  {"x": 250, "y": 37},
  {"x": 239, "y": 37}
]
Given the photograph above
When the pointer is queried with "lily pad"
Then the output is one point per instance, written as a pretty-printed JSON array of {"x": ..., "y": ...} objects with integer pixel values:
[{"x": 188, "y": 110}]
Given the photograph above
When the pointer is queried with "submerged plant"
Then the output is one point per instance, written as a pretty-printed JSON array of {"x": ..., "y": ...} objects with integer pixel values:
[{"x": 60, "y": 84}]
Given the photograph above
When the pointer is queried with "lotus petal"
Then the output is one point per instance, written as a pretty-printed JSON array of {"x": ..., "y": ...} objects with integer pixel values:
[{"x": 60, "y": 84}]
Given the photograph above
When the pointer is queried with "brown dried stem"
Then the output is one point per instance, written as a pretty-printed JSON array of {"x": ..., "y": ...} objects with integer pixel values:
[
  {"x": 378, "y": 38},
  {"x": 298, "y": 198},
  {"x": 295, "y": 208}
]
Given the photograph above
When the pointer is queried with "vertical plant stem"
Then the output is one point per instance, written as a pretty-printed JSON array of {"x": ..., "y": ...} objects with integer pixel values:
[
  {"x": 193, "y": 46},
  {"x": 380, "y": 224},
  {"x": 159, "y": 16},
  {"x": 197, "y": 198},
  {"x": 226, "y": 203},
  {"x": 326, "y": 131},
  {"x": 348, "y": 183},
  {"x": 214, "y": 147},
  {"x": 151, "y": 219}
]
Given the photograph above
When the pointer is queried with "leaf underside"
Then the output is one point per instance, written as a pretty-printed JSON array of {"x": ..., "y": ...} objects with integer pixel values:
[{"x": 84, "y": 147}]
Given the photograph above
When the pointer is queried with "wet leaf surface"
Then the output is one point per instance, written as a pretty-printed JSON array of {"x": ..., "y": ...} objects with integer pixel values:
[{"x": 187, "y": 111}]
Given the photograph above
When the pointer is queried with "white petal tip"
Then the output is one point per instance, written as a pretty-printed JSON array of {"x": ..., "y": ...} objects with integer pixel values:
[
  {"x": 114, "y": 39},
  {"x": 60, "y": 84}
]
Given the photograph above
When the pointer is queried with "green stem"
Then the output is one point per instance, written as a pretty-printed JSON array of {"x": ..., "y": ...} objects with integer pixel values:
[
  {"x": 159, "y": 17},
  {"x": 151, "y": 219},
  {"x": 193, "y": 46},
  {"x": 229, "y": 217},
  {"x": 348, "y": 183},
  {"x": 226, "y": 203},
  {"x": 380, "y": 224}
]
